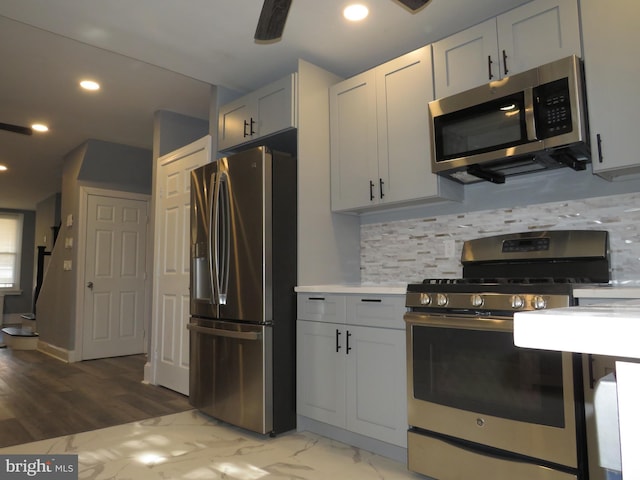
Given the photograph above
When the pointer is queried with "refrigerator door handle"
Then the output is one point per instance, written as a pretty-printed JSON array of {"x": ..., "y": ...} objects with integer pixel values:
[
  {"x": 222, "y": 236},
  {"x": 213, "y": 185},
  {"x": 225, "y": 333}
]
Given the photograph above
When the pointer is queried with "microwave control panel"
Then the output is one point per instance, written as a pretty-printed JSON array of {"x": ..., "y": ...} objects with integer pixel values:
[{"x": 553, "y": 109}]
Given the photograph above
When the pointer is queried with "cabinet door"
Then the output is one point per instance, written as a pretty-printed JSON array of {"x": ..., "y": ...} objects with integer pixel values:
[
  {"x": 404, "y": 88},
  {"x": 466, "y": 59},
  {"x": 275, "y": 107},
  {"x": 376, "y": 384},
  {"x": 536, "y": 33},
  {"x": 268, "y": 110},
  {"x": 354, "y": 144},
  {"x": 611, "y": 36},
  {"x": 321, "y": 372},
  {"x": 232, "y": 129}
]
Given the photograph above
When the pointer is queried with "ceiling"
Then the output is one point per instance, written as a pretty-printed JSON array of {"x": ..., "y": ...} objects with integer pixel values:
[{"x": 154, "y": 55}]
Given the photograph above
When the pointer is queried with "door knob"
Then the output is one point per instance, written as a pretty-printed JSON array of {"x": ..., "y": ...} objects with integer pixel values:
[{"x": 90, "y": 285}]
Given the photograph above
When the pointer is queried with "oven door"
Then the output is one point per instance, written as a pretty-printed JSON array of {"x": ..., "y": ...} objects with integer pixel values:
[{"x": 467, "y": 381}]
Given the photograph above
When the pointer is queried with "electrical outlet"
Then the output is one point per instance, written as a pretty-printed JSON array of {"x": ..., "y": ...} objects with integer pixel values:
[{"x": 66, "y": 265}]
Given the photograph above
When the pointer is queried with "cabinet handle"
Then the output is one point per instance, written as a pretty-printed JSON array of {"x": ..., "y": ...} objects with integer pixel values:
[
  {"x": 371, "y": 190},
  {"x": 317, "y": 298},
  {"x": 599, "y": 148},
  {"x": 489, "y": 63},
  {"x": 504, "y": 61},
  {"x": 244, "y": 132},
  {"x": 252, "y": 123},
  {"x": 338, "y": 347},
  {"x": 348, "y": 337},
  {"x": 376, "y": 300},
  {"x": 381, "y": 191}
]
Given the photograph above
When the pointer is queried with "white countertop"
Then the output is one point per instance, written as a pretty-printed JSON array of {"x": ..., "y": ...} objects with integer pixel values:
[
  {"x": 604, "y": 329},
  {"x": 397, "y": 289},
  {"x": 614, "y": 291}
]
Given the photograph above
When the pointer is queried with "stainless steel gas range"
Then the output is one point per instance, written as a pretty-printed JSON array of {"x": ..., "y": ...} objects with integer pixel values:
[{"x": 478, "y": 406}]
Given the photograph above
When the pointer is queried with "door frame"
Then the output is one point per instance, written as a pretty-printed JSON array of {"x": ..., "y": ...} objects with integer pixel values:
[{"x": 82, "y": 222}]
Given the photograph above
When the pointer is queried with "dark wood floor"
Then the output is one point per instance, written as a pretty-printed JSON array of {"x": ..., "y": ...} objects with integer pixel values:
[{"x": 41, "y": 397}]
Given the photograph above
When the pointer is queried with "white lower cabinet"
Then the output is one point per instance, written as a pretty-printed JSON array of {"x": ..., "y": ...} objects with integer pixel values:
[{"x": 353, "y": 376}]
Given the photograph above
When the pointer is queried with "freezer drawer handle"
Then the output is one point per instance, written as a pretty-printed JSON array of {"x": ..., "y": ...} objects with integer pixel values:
[{"x": 225, "y": 333}]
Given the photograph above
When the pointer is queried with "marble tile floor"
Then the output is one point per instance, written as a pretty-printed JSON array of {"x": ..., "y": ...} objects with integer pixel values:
[{"x": 193, "y": 446}]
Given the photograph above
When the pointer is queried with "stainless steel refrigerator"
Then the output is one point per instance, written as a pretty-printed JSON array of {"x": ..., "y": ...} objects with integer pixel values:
[{"x": 242, "y": 300}]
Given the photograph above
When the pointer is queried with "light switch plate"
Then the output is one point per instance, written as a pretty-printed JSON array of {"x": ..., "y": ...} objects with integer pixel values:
[
  {"x": 68, "y": 242},
  {"x": 67, "y": 265},
  {"x": 69, "y": 220}
]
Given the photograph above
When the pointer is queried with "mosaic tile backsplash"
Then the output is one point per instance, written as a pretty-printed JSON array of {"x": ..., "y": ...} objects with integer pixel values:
[{"x": 406, "y": 251}]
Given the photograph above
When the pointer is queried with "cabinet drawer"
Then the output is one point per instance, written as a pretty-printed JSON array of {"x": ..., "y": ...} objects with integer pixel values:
[
  {"x": 384, "y": 311},
  {"x": 321, "y": 307}
]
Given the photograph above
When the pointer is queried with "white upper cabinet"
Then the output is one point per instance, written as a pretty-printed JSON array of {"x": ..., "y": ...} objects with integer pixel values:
[
  {"x": 380, "y": 151},
  {"x": 354, "y": 142},
  {"x": 612, "y": 70},
  {"x": 466, "y": 59},
  {"x": 266, "y": 111},
  {"x": 533, "y": 34}
]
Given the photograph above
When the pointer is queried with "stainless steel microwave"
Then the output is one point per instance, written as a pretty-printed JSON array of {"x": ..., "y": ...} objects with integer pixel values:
[{"x": 528, "y": 122}]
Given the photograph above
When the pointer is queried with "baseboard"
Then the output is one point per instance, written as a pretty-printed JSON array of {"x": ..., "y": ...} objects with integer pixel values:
[
  {"x": 148, "y": 373},
  {"x": 56, "y": 352},
  {"x": 373, "y": 445}
]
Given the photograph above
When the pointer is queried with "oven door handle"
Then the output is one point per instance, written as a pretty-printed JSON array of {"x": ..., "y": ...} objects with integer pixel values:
[{"x": 461, "y": 322}]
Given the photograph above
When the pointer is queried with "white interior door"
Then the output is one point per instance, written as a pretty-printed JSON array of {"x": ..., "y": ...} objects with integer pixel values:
[
  {"x": 171, "y": 282},
  {"x": 115, "y": 278}
]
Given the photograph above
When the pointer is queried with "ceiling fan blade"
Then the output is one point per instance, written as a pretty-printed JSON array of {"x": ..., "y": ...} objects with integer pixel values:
[
  {"x": 272, "y": 19},
  {"x": 414, "y": 4},
  {"x": 16, "y": 129}
]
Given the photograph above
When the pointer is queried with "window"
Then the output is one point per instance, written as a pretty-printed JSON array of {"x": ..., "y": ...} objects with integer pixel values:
[{"x": 10, "y": 243}]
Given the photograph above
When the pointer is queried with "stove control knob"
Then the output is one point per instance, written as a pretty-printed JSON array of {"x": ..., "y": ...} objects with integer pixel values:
[
  {"x": 477, "y": 300},
  {"x": 517, "y": 302},
  {"x": 539, "y": 302},
  {"x": 442, "y": 299},
  {"x": 425, "y": 299}
]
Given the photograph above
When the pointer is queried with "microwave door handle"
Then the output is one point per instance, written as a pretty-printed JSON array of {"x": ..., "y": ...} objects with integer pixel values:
[{"x": 529, "y": 114}]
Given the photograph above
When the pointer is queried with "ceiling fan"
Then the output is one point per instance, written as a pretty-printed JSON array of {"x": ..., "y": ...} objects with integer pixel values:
[
  {"x": 274, "y": 15},
  {"x": 16, "y": 129}
]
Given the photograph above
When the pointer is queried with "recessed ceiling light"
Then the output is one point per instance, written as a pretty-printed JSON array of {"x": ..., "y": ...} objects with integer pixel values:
[
  {"x": 39, "y": 127},
  {"x": 90, "y": 85},
  {"x": 3, "y": 168},
  {"x": 355, "y": 12}
]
